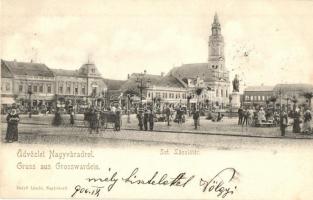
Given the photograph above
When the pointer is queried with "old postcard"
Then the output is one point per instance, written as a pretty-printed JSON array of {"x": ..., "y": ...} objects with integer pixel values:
[{"x": 156, "y": 99}]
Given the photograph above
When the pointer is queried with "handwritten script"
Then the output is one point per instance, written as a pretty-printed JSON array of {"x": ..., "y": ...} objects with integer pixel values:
[{"x": 223, "y": 184}]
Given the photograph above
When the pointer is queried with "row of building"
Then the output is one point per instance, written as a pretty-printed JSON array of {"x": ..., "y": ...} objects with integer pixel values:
[
  {"x": 202, "y": 84},
  {"x": 24, "y": 82},
  {"x": 277, "y": 94}
]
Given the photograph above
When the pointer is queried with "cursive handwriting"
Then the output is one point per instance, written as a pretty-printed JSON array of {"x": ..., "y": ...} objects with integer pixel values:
[
  {"x": 220, "y": 183},
  {"x": 93, "y": 191},
  {"x": 111, "y": 180},
  {"x": 181, "y": 180}
]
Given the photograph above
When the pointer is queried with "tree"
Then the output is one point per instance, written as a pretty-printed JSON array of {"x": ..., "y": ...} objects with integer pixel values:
[
  {"x": 308, "y": 96},
  {"x": 294, "y": 101},
  {"x": 267, "y": 103},
  {"x": 273, "y": 99}
]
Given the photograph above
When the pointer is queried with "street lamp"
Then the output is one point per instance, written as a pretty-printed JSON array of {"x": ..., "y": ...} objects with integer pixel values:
[
  {"x": 30, "y": 92},
  {"x": 142, "y": 84},
  {"x": 128, "y": 113},
  {"x": 230, "y": 105}
]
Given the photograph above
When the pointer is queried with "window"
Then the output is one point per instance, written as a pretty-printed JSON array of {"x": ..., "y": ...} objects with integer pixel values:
[
  {"x": 41, "y": 88},
  {"x": 35, "y": 89},
  {"x": 93, "y": 70},
  {"x": 216, "y": 93},
  {"x": 7, "y": 86},
  {"x": 49, "y": 89},
  {"x": 149, "y": 95},
  {"x": 83, "y": 90},
  {"x": 263, "y": 98},
  {"x": 251, "y": 98},
  {"x": 20, "y": 88},
  {"x": 61, "y": 89},
  {"x": 94, "y": 91},
  {"x": 76, "y": 90},
  {"x": 68, "y": 89},
  {"x": 222, "y": 92},
  {"x": 226, "y": 93},
  {"x": 165, "y": 95},
  {"x": 259, "y": 98},
  {"x": 247, "y": 98}
]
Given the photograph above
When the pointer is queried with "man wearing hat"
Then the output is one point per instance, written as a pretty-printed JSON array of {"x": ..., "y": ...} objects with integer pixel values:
[
  {"x": 12, "y": 130},
  {"x": 140, "y": 118},
  {"x": 146, "y": 118},
  {"x": 283, "y": 122},
  {"x": 196, "y": 116}
]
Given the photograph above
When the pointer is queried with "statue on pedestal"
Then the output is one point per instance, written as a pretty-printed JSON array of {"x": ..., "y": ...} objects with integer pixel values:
[{"x": 236, "y": 84}]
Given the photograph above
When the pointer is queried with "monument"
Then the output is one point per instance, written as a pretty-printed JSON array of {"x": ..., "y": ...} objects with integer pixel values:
[{"x": 235, "y": 96}]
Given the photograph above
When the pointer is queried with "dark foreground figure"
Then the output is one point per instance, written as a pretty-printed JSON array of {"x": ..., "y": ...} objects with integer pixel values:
[{"x": 12, "y": 130}]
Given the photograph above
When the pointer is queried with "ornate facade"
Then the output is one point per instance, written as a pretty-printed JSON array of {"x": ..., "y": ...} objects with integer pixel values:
[{"x": 24, "y": 83}]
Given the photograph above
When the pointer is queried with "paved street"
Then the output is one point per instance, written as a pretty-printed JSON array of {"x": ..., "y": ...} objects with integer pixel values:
[
  {"x": 225, "y": 135},
  {"x": 228, "y": 126}
]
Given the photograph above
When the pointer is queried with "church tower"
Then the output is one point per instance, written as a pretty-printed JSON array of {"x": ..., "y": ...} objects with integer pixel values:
[
  {"x": 216, "y": 47},
  {"x": 216, "y": 64}
]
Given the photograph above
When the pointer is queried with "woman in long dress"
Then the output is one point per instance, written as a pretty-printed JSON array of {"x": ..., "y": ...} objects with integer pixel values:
[
  {"x": 296, "y": 121},
  {"x": 307, "y": 121},
  {"x": 12, "y": 130}
]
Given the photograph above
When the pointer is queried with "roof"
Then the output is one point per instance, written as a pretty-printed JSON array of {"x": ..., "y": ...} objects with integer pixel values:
[
  {"x": 114, "y": 84},
  {"x": 294, "y": 87},
  {"x": 162, "y": 81},
  {"x": 193, "y": 71},
  {"x": 30, "y": 68},
  {"x": 85, "y": 70},
  {"x": 259, "y": 88},
  {"x": 65, "y": 72},
  {"x": 5, "y": 72},
  {"x": 155, "y": 80}
]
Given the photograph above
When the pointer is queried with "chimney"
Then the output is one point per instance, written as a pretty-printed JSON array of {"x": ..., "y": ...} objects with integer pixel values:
[
  {"x": 128, "y": 76},
  {"x": 31, "y": 60},
  {"x": 162, "y": 74},
  {"x": 145, "y": 72}
]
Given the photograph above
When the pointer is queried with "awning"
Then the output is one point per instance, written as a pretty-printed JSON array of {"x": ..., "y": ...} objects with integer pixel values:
[{"x": 7, "y": 100}]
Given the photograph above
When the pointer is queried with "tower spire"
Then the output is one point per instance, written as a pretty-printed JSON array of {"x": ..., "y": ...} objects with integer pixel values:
[{"x": 216, "y": 19}]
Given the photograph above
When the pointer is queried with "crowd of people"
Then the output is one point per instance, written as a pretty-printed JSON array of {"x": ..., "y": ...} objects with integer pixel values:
[
  {"x": 147, "y": 116},
  {"x": 274, "y": 117},
  {"x": 95, "y": 117},
  {"x": 300, "y": 118}
]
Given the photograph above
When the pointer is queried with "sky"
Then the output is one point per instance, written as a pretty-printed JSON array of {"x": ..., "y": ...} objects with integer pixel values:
[{"x": 266, "y": 42}]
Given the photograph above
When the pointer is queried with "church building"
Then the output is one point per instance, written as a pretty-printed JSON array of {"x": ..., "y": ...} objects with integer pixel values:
[{"x": 213, "y": 74}]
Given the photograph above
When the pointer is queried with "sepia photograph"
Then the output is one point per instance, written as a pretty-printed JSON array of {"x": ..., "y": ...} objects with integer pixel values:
[{"x": 164, "y": 99}]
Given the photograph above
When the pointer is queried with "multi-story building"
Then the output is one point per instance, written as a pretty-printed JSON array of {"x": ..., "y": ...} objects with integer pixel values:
[
  {"x": 25, "y": 83},
  {"x": 257, "y": 95},
  {"x": 85, "y": 85},
  {"x": 181, "y": 83},
  {"x": 79, "y": 87},
  {"x": 214, "y": 73},
  {"x": 282, "y": 93},
  {"x": 160, "y": 88}
]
